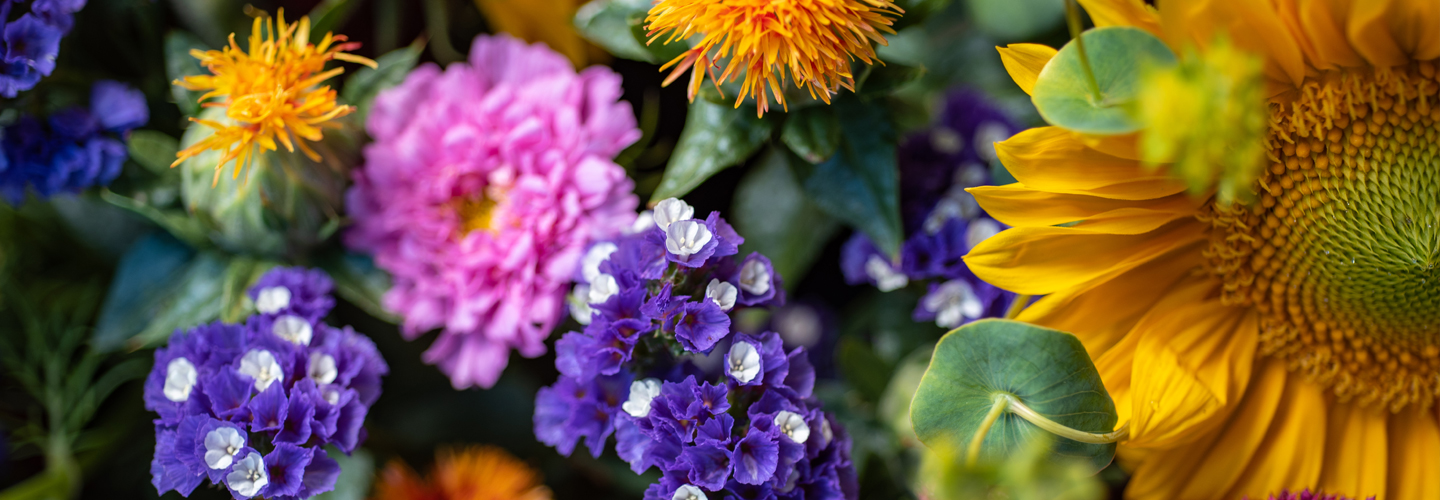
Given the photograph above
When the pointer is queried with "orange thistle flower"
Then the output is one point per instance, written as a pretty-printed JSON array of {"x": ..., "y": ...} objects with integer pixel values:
[
  {"x": 815, "y": 39},
  {"x": 270, "y": 92},
  {"x": 474, "y": 473}
]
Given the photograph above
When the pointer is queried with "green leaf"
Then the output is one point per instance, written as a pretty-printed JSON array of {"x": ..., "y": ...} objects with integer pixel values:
[
  {"x": 362, "y": 87},
  {"x": 716, "y": 137},
  {"x": 153, "y": 150},
  {"x": 357, "y": 472},
  {"x": 1015, "y": 20},
  {"x": 235, "y": 305},
  {"x": 771, "y": 210},
  {"x": 358, "y": 281},
  {"x": 862, "y": 368},
  {"x": 149, "y": 272},
  {"x": 1118, "y": 55},
  {"x": 878, "y": 79},
  {"x": 329, "y": 16},
  {"x": 918, "y": 11},
  {"x": 812, "y": 132},
  {"x": 619, "y": 27},
  {"x": 1045, "y": 369},
  {"x": 177, "y": 223},
  {"x": 180, "y": 64},
  {"x": 860, "y": 183}
]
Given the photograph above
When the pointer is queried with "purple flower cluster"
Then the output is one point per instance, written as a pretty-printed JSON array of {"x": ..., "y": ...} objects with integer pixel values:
[
  {"x": 252, "y": 406},
  {"x": 651, "y": 299},
  {"x": 1307, "y": 495},
  {"x": 75, "y": 148},
  {"x": 31, "y": 42},
  {"x": 943, "y": 221}
]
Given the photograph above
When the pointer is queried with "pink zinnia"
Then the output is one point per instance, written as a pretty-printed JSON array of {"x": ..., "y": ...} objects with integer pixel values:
[{"x": 484, "y": 186}]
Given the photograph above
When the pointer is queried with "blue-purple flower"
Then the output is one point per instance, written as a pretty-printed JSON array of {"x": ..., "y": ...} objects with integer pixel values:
[
  {"x": 278, "y": 382},
  {"x": 73, "y": 149},
  {"x": 31, "y": 42}
]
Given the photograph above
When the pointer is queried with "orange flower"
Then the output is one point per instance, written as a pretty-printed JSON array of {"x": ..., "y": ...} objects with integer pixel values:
[
  {"x": 474, "y": 473},
  {"x": 269, "y": 93},
  {"x": 815, "y": 39}
]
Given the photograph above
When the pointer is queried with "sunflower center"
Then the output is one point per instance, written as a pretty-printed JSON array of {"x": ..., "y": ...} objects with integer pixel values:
[{"x": 1340, "y": 252}]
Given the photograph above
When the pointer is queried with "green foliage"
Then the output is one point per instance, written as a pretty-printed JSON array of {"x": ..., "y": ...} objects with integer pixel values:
[
  {"x": 812, "y": 132},
  {"x": 860, "y": 183},
  {"x": 619, "y": 27},
  {"x": 1029, "y": 474},
  {"x": 357, "y": 473},
  {"x": 358, "y": 280},
  {"x": 180, "y": 64},
  {"x": 1118, "y": 56},
  {"x": 153, "y": 150},
  {"x": 776, "y": 218},
  {"x": 329, "y": 16},
  {"x": 1045, "y": 369},
  {"x": 716, "y": 137},
  {"x": 1010, "y": 20}
]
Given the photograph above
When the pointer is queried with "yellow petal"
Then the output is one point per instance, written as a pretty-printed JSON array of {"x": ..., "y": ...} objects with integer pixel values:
[
  {"x": 1024, "y": 61},
  {"x": 1252, "y": 26},
  {"x": 1018, "y": 206},
  {"x": 1294, "y": 448},
  {"x": 547, "y": 21},
  {"x": 1123, "y": 13},
  {"x": 1324, "y": 25},
  {"x": 1053, "y": 159},
  {"x": 1355, "y": 451},
  {"x": 1394, "y": 32},
  {"x": 1414, "y": 454},
  {"x": 1042, "y": 260}
]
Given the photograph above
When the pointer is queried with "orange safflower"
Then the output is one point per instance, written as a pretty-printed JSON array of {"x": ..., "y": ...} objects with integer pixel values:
[
  {"x": 270, "y": 92},
  {"x": 474, "y": 473}
]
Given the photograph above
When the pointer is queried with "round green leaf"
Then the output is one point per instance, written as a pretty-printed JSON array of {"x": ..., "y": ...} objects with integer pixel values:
[
  {"x": 1045, "y": 369},
  {"x": 1117, "y": 54}
]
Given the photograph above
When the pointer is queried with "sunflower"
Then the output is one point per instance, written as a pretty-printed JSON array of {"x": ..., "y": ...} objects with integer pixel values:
[{"x": 1253, "y": 346}]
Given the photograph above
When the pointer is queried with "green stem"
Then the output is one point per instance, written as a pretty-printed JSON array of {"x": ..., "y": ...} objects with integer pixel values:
[
  {"x": 1058, "y": 429},
  {"x": 1018, "y": 306},
  {"x": 972, "y": 455},
  {"x": 1072, "y": 18}
]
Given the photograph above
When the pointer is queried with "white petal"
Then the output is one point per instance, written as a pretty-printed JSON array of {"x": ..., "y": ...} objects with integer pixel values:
[
  {"x": 689, "y": 492},
  {"x": 180, "y": 377},
  {"x": 221, "y": 445},
  {"x": 799, "y": 325},
  {"x": 590, "y": 265},
  {"x": 579, "y": 302},
  {"x": 980, "y": 230},
  {"x": 294, "y": 329},
  {"x": 722, "y": 293},
  {"x": 602, "y": 288},
  {"x": 986, "y": 135},
  {"x": 642, "y": 392},
  {"x": 260, "y": 365},
  {"x": 249, "y": 476},
  {"x": 685, "y": 238},
  {"x": 671, "y": 210},
  {"x": 754, "y": 278},
  {"x": 743, "y": 362},
  {"x": 271, "y": 300},
  {"x": 826, "y": 432},
  {"x": 643, "y": 221},
  {"x": 886, "y": 278},
  {"x": 322, "y": 368},
  {"x": 793, "y": 426}
]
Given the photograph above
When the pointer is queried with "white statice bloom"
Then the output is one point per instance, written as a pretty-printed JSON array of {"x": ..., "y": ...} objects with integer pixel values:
[
  {"x": 293, "y": 329},
  {"x": 643, "y": 221},
  {"x": 886, "y": 277},
  {"x": 790, "y": 481},
  {"x": 689, "y": 492},
  {"x": 792, "y": 425},
  {"x": 952, "y": 302},
  {"x": 969, "y": 175},
  {"x": 590, "y": 264},
  {"x": 249, "y": 476},
  {"x": 260, "y": 365},
  {"x": 947, "y": 140},
  {"x": 180, "y": 377},
  {"x": 687, "y": 237},
  {"x": 602, "y": 288},
  {"x": 986, "y": 135},
  {"x": 221, "y": 446},
  {"x": 826, "y": 432},
  {"x": 579, "y": 302},
  {"x": 754, "y": 278},
  {"x": 799, "y": 325},
  {"x": 980, "y": 230},
  {"x": 322, "y": 368},
  {"x": 331, "y": 395},
  {"x": 642, "y": 392},
  {"x": 722, "y": 293},
  {"x": 670, "y": 211},
  {"x": 743, "y": 362},
  {"x": 271, "y": 300}
]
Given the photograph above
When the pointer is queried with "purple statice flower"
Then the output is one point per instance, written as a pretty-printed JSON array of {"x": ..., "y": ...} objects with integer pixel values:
[
  {"x": 1307, "y": 495},
  {"x": 293, "y": 291},
  {"x": 278, "y": 382},
  {"x": 650, "y": 301},
  {"x": 942, "y": 220},
  {"x": 31, "y": 42},
  {"x": 74, "y": 149}
]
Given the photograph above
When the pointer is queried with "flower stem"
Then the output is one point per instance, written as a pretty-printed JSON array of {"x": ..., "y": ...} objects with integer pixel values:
[
  {"x": 1058, "y": 429},
  {"x": 972, "y": 454},
  {"x": 1017, "y": 306},
  {"x": 1072, "y": 18}
]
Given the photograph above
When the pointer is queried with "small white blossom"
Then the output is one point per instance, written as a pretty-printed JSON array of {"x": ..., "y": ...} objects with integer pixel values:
[
  {"x": 322, "y": 368},
  {"x": 642, "y": 392},
  {"x": 826, "y": 432},
  {"x": 886, "y": 278},
  {"x": 754, "y": 278},
  {"x": 689, "y": 492},
  {"x": 980, "y": 230},
  {"x": 799, "y": 325},
  {"x": 331, "y": 395},
  {"x": 793, "y": 426},
  {"x": 260, "y": 365},
  {"x": 670, "y": 211},
  {"x": 685, "y": 238},
  {"x": 271, "y": 300},
  {"x": 969, "y": 175},
  {"x": 221, "y": 446},
  {"x": 580, "y": 304},
  {"x": 590, "y": 264},
  {"x": 952, "y": 302},
  {"x": 643, "y": 221},
  {"x": 249, "y": 476},
  {"x": 602, "y": 288},
  {"x": 947, "y": 140},
  {"x": 294, "y": 329},
  {"x": 986, "y": 135},
  {"x": 180, "y": 376},
  {"x": 722, "y": 293},
  {"x": 743, "y": 363}
]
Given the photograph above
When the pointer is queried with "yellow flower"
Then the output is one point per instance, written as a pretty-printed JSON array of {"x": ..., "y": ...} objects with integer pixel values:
[
  {"x": 1287, "y": 343},
  {"x": 474, "y": 473},
  {"x": 548, "y": 21},
  {"x": 270, "y": 93},
  {"x": 771, "y": 42}
]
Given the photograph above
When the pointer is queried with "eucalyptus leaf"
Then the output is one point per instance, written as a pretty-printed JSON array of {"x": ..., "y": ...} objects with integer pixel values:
[
  {"x": 358, "y": 281},
  {"x": 153, "y": 150},
  {"x": 180, "y": 64},
  {"x": 860, "y": 183},
  {"x": 361, "y": 88},
  {"x": 771, "y": 210},
  {"x": 149, "y": 272},
  {"x": 812, "y": 132},
  {"x": 1047, "y": 370},
  {"x": 1118, "y": 55},
  {"x": 716, "y": 137}
]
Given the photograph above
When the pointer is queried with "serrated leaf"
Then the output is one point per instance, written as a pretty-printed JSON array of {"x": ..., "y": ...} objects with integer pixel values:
[
  {"x": 860, "y": 183},
  {"x": 1118, "y": 55},
  {"x": 812, "y": 132},
  {"x": 153, "y": 150},
  {"x": 180, "y": 64},
  {"x": 1045, "y": 369},
  {"x": 771, "y": 210},
  {"x": 358, "y": 281},
  {"x": 361, "y": 88},
  {"x": 716, "y": 137}
]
